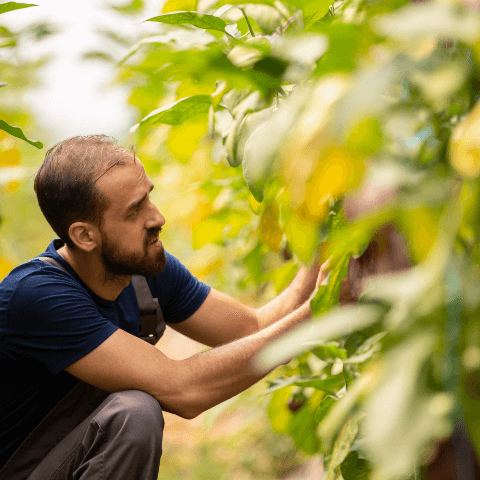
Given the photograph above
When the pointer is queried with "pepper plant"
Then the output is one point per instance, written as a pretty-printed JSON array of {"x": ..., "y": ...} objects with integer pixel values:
[{"x": 344, "y": 133}]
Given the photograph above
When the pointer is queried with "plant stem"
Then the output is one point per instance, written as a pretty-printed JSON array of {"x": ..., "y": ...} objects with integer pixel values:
[{"x": 248, "y": 22}]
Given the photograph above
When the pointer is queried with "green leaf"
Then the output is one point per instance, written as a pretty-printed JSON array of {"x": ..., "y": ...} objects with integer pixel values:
[
  {"x": 9, "y": 6},
  {"x": 179, "y": 112},
  {"x": 17, "y": 132},
  {"x": 302, "y": 428},
  {"x": 209, "y": 22},
  {"x": 354, "y": 468},
  {"x": 262, "y": 146},
  {"x": 334, "y": 324},
  {"x": 325, "y": 405},
  {"x": 312, "y": 9},
  {"x": 131, "y": 8},
  {"x": 329, "y": 384},
  {"x": 327, "y": 294},
  {"x": 329, "y": 352},
  {"x": 342, "y": 444}
]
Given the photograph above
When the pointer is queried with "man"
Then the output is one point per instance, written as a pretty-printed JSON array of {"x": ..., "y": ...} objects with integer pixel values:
[{"x": 58, "y": 326}]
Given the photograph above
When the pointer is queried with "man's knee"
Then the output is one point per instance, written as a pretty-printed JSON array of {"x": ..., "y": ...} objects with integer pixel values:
[{"x": 132, "y": 413}]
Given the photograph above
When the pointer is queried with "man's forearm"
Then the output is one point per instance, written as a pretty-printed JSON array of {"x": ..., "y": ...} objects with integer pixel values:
[
  {"x": 296, "y": 294},
  {"x": 222, "y": 372}
]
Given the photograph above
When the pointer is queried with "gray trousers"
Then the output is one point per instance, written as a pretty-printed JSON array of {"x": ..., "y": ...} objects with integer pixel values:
[{"x": 121, "y": 439}]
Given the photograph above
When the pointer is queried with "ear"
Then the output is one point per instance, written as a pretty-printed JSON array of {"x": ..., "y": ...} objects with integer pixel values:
[{"x": 84, "y": 236}]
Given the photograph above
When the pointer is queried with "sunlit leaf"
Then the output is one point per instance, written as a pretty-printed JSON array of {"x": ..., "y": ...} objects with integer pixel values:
[
  {"x": 334, "y": 324},
  {"x": 465, "y": 145},
  {"x": 9, "y": 6},
  {"x": 177, "y": 113},
  {"x": 327, "y": 294},
  {"x": 313, "y": 10},
  {"x": 429, "y": 19},
  {"x": 329, "y": 385},
  {"x": 270, "y": 231},
  {"x": 305, "y": 49},
  {"x": 17, "y": 132},
  {"x": 262, "y": 147},
  {"x": 179, "y": 6},
  {"x": 208, "y": 22},
  {"x": 131, "y": 8}
]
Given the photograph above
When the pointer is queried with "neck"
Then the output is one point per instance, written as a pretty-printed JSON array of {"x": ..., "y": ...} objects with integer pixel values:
[{"x": 89, "y": 267}]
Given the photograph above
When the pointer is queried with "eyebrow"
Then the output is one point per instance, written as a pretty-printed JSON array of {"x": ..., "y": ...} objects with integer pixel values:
[{"x": 136, "y": 203}]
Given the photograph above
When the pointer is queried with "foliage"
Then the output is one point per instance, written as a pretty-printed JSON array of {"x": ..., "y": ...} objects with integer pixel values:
[
  {"x": 15, "y": 131},
  {"x": 338, "y": 131}
]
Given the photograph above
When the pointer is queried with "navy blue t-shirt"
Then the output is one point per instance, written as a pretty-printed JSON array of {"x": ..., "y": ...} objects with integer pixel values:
[{"x": 49, "y": 319}]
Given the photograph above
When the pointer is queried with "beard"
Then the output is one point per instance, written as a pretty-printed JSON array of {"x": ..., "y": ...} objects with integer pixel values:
[{"x": 120, "y": 264}]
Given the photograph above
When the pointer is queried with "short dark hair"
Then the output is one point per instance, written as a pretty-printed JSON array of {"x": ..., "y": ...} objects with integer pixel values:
[{"x": 65, "y": 184}]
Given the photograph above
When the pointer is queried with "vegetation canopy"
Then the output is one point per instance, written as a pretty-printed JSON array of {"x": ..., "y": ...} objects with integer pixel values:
[{"x": 346, "y": 131}]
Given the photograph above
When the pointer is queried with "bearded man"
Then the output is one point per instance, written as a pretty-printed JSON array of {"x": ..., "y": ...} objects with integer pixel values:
[{"x": 80, "y": 321}]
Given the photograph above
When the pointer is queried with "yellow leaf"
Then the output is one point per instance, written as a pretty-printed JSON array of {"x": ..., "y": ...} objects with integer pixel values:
[
  {"x": 270, "y": 232},
  {"x": 338, "y": 171},
  {"x": 421, "y": 227},
  {"x": 179, "y": 5},
  {"x": 465, "y": 145}
]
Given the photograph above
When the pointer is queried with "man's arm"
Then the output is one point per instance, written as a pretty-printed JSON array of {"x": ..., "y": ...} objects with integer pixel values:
[
  {"x": 185, "y": 387},
  {"x": 222, "y": 319}
]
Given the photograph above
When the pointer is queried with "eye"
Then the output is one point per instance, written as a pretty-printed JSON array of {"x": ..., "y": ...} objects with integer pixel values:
[{"x": 135, "y": 212}]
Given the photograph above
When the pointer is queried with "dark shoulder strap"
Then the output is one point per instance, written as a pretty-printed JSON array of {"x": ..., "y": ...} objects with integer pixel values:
[
  {"x": 51, "y": 261},
  {"x": 152, "y": 323}
]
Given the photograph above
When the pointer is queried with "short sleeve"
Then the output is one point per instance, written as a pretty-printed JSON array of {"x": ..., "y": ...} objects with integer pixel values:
[
  {"x": 179, "y": 292},
  {"x": 52, "y": 320}
]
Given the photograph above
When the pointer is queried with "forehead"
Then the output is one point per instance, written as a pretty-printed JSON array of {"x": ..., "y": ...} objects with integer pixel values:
[{"x": 123, "y": 184}]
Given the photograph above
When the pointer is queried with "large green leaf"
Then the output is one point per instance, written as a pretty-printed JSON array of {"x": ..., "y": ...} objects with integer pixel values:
[
  {"x": 325, "y": 405},
  {"x": 264, "y": 143},
  {"x": 9, "y": 6},
  {"x": 334, "y": 324},
  {"x": 328, "y": 292},
  {"x": 179, "y": 112},
  {"x": 355, "y": 468},
  {"x": 329, "y": 384},
  {"x": 209, "y": 22},
  {"x": 17, "y": 132},
  {"x": 342, "y": 444}
]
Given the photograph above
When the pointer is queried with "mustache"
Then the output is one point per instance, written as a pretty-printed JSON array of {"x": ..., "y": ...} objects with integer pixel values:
[{"x": 152, "y": 234}]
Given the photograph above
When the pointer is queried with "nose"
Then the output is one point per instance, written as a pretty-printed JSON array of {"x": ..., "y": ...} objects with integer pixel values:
[{"x": 155, "y": 219}]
